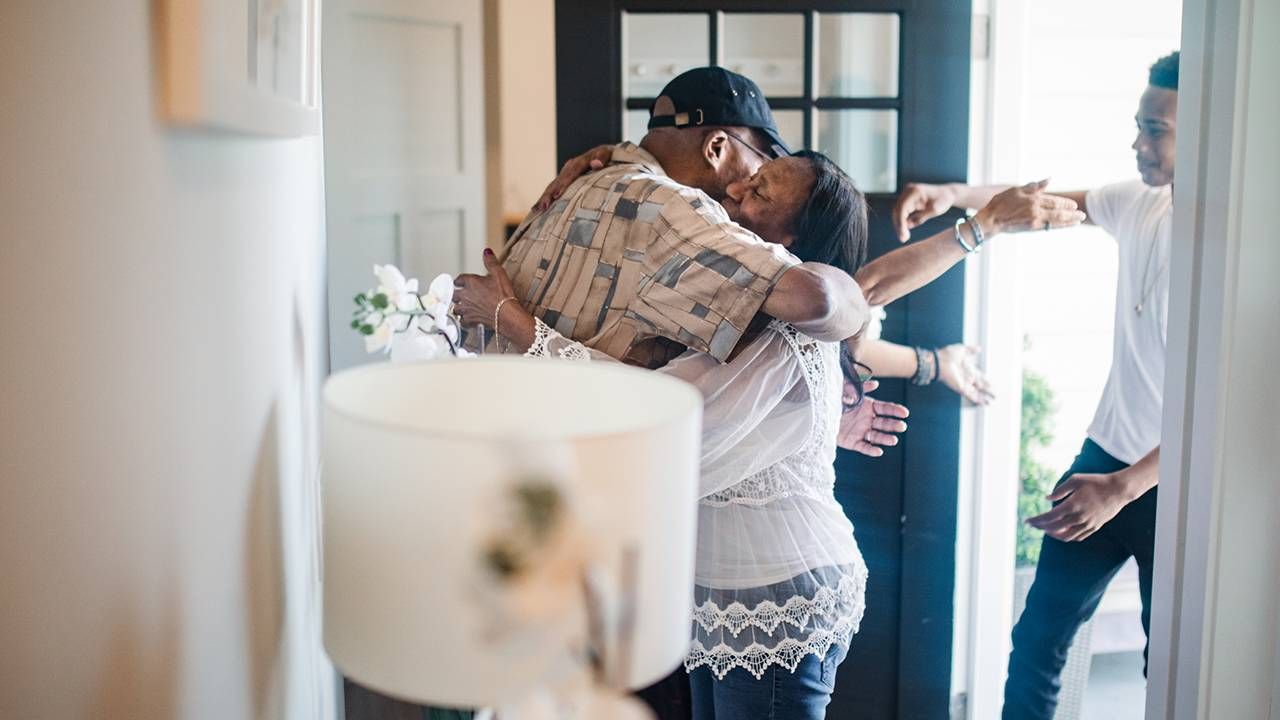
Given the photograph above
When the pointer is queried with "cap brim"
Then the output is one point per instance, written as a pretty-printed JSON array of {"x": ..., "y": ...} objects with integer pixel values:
[{"x": 778, "y": 147}]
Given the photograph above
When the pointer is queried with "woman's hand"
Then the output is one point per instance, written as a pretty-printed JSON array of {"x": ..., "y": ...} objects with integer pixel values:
[
  {"x": 476, "y": 297},
  {"x": 958, "y": 370},
  {"x": 1027, "y": 207},
  {"x": 593, "y": 159}
]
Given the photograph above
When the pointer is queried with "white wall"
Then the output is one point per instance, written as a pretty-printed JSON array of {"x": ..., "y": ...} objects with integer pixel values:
[
  {"x": 527, "y": 88},
  {"x": 161, "y": 299},
  {"x": 1216, "y": 610}
]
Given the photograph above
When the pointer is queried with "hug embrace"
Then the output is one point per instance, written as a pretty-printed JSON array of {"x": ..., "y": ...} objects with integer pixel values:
[{"x": 712, "y": 253}]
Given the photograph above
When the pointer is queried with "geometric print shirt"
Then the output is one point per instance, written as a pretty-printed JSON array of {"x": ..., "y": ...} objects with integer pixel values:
[{"x": 633, "y": 264}]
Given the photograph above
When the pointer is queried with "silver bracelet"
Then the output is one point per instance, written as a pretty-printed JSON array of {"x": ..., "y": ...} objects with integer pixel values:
[
  {"x": 979, "y": 237},
  {"x": 960, "y": 237}
]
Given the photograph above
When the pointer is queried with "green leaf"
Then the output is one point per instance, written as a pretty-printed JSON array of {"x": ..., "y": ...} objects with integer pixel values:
[
  {"x": 379, "y": 301},
  {"x": 1036, "y": 480},
  {"x": 366, "y": 329}
]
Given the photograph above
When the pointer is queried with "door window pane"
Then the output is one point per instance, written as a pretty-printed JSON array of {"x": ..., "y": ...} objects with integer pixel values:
[
  {"x": 864, "y": 143},
  {"x": 857, "y": 55},
  {"x": 791, "y": 127},
  {"x": 768, "y": 48},
  {"x": 658, "y": 46},
  {"x": 635, "y": 123}
]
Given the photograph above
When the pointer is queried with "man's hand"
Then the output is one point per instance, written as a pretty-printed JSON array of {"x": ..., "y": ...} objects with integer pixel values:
[
  {"x": 872, "y": 426},
  {"x": 593, "y": 159},
  {"x": 918, "y": 203},
  {"x": 1087, "y": 503},
  {"x": 958, "y": 370}
]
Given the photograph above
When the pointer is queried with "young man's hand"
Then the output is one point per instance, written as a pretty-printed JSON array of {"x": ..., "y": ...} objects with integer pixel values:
[
  {"x": 918, "y": 203},
  {"x": 1087, "y": 503}
]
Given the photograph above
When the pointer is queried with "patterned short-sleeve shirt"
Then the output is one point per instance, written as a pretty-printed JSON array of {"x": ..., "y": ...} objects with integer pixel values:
[{"x": 632, "y": 263}]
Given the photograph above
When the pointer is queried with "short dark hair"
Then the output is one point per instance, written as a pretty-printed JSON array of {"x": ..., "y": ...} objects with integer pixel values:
[
  {"x": 1164, "y": 72},
  {"x": 832, "y": 227}
]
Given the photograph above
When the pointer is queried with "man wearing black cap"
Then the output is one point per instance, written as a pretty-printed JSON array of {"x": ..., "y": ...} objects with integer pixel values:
[{"x": 641, "y": 261}]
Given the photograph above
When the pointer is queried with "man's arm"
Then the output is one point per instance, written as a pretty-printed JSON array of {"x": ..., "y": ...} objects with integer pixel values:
[
  {"x": 920, "y": 202},
  {"x": 909, "y": 268},
  {"x": 1086, "y": 502},
  {"x": 820, "y": 301}
]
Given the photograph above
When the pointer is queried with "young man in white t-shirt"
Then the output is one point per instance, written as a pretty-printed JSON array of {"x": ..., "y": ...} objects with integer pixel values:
[{"x": 1105, "y": 505}]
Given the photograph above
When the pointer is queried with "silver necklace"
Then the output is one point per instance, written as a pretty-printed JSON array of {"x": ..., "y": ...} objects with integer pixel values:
[{"x": 1146, "y": 290}]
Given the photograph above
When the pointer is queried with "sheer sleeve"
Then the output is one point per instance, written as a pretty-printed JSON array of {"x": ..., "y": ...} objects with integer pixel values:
[
  {"x": 756, "y": 408},
  {"x": 548, "y": 343}
]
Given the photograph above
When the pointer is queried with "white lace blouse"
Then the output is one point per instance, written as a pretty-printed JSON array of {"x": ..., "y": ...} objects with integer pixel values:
[{"x": 778, "y": 574}]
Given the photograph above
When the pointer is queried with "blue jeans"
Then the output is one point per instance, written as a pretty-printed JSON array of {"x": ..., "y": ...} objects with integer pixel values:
[
  {"x": 777, "y": 695},
  {"x": 1069, "y": 583}
]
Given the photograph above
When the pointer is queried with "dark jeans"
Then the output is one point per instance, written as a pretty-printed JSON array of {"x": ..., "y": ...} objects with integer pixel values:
[
  {"x": 1069, "y": 583},
  {"x": 779, "y": 694}
]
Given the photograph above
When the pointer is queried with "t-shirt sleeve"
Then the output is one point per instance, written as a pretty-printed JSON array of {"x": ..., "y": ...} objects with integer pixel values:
[
  {"x": 709, "y": 276},
  {"x": 1107, "y": 204}
]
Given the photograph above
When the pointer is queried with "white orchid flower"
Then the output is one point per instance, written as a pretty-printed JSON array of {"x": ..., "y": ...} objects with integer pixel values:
[
  {"x": 391, "y": 282},
  {"x": 381, "y": 337},
  {"x": 417, "y": 345}
]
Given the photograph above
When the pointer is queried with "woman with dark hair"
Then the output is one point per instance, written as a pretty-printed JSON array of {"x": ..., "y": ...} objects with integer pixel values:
[{"x": 779, "y": 580}]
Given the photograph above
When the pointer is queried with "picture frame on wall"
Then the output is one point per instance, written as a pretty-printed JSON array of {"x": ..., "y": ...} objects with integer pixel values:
[{"x": 240, "y": 66}]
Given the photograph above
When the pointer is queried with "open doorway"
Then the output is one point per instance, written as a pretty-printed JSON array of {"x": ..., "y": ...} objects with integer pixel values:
[{"x": 1045, "y": 105}]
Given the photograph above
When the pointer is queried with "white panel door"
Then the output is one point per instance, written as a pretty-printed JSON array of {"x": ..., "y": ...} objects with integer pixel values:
[{"x": 403, "y": 85}]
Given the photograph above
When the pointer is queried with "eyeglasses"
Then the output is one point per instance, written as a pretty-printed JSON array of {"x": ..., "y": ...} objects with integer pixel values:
[{"x": 767, "y": 157}]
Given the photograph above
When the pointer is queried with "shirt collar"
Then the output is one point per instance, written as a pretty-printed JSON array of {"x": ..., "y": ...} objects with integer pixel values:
[{"x": 631, "y": 153}]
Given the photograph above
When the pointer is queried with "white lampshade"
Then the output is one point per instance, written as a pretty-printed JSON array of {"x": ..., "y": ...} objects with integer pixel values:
[{"x": 416, "y": 458}]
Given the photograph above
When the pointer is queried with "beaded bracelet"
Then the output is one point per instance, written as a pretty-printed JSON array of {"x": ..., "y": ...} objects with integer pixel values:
[{"x": 926, "y": 366}]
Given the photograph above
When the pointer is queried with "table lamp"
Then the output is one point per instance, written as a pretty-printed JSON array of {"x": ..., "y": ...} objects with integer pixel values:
[{"x": 494, "y": 526}]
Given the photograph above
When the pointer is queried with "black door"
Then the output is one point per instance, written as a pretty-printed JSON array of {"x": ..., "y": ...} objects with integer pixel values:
[{"x": 882, "y": 86}]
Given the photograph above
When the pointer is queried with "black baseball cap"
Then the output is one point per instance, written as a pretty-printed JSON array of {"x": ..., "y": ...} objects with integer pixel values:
[{"x": 715, "y": 96}]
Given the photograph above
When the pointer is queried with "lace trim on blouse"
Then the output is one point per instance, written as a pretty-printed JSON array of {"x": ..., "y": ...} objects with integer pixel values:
[
  {"x": 796, "y": 611},
  {"x": 548, "y": 343},
  {"x": 842, "y": 608}
]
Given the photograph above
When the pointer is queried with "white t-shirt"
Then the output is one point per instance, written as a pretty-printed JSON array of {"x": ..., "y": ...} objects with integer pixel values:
[{"x": 1139, "y": 217}]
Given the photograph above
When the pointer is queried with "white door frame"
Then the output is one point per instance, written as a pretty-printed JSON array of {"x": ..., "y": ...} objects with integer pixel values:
[
  {"x": 1215, "y": 604},
  {"x": 987, "y": 509}
]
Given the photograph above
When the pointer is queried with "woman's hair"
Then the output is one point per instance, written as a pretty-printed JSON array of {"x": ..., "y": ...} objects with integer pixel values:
[{"x": 832, "y": 227}]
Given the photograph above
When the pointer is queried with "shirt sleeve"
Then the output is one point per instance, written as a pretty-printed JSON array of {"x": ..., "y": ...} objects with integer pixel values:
[
  {"x": 756, "y": 409},
  {"x": 710, "y": 277},
  {"x": 1107, "y": 204}
]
